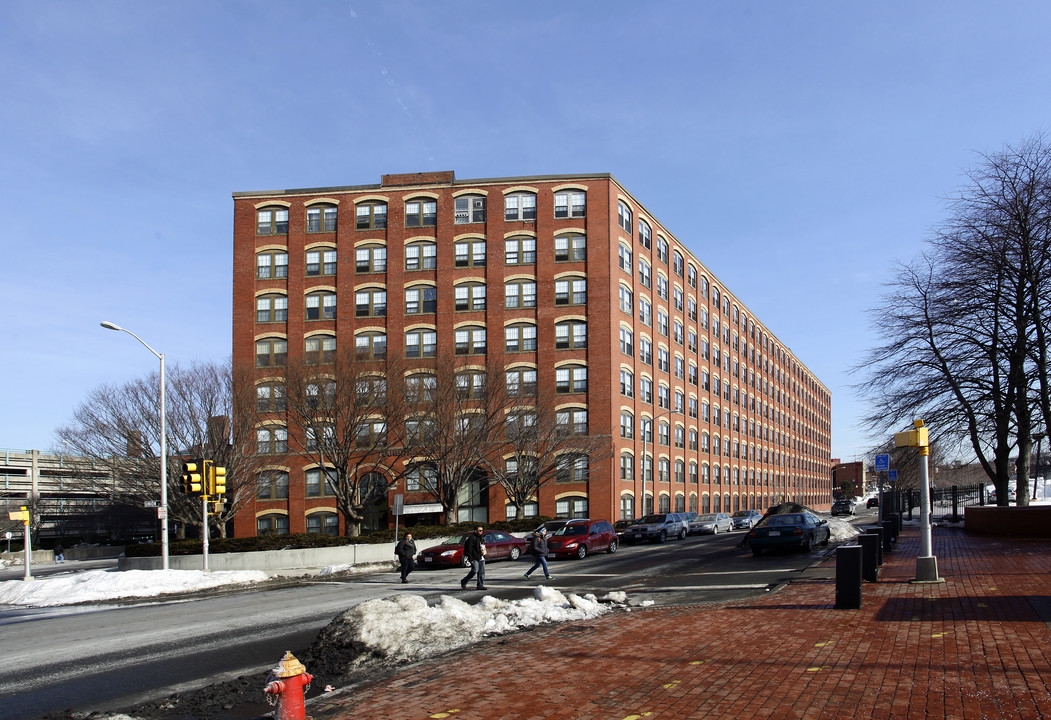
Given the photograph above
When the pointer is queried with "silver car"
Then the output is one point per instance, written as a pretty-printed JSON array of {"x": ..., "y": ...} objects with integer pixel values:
[
  {"x": 711, "y": 524},
  {"x": 746, "y": 519}
]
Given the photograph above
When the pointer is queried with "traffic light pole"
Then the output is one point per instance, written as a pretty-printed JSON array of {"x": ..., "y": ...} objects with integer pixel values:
[{"x": 209, "y": 471}]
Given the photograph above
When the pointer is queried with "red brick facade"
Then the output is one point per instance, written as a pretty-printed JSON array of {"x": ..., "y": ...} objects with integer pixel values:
[{"x": 775, "y": 437}]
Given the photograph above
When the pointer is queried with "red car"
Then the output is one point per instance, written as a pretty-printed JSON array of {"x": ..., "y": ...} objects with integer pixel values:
[
  {"x": 578, "y": 538},
  {"x": 498, "y": 546}
]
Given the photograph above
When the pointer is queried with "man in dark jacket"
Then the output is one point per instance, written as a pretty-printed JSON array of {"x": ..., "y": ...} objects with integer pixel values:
[
  {"x": 538, "y": 549},
  {"x": 474, "y": 551},
  {"x": 405, "y": 551}
]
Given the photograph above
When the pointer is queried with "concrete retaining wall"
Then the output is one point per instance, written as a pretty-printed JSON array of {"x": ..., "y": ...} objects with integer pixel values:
[
  {"x": 1033, "y": 521},
  {"x": 279, "y": 562}
]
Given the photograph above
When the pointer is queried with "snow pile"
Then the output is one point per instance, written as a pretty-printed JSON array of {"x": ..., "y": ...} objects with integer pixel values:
[
  {"x": 403, "y": 628},
  {"x": 841, "y": 530},
  {"x": 102, "y": 585}
]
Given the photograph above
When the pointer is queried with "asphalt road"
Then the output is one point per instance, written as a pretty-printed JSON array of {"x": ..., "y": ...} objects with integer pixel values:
[{"x": 108, "y": 656}]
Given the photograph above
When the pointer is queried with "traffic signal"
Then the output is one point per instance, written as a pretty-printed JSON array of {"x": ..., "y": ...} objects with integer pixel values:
[
  {"x": 216, "y": 480},
  {"x": 193, "y": 477}
]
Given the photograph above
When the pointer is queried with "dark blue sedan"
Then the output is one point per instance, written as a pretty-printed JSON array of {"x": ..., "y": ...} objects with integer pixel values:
[{"x": 792, "y": 530}]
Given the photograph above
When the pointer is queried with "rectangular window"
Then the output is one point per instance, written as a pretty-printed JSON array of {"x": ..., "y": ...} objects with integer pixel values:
[{"x": 570, "y": 204}]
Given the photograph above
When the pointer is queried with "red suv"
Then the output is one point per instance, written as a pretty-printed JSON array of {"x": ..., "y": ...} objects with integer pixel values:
[{"x": 578, "y": 538}]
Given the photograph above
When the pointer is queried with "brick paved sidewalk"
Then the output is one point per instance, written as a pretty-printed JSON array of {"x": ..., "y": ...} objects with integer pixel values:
[{"x": 976, "y": 647}]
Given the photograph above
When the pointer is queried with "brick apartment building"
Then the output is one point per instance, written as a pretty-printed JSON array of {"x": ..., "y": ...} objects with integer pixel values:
[{"x": 587, "y": 290}]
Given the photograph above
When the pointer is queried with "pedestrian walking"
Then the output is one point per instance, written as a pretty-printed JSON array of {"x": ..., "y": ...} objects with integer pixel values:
[
  {"x": 538, "y": 549},
  {"x": 474, "y": 551},
  {"x": 59, "y": 556},
  {"x": 405, "y": 551}
]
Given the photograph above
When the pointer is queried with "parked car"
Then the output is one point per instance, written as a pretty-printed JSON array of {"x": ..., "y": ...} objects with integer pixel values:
[
  {"x": 580, "y": 537},
  {"x": 621, "y": 528},
  {"x": 795, "y": 530},
  {"x": 659, "y": 527},
  {"x": 872, "y": 502},
  {"x": 746, "y": 519},
  {"x": 843, "y": 507},
  {"x": 711, "y": 524},
  {"x": 498, "y": 546}
]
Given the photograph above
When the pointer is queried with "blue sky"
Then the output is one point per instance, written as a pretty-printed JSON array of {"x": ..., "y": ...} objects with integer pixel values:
[{"x": 799, "y": 149}]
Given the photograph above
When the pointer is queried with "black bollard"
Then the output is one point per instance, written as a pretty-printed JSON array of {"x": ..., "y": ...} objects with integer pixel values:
[
  {"x": 869, "y": 543},
  {"x": 890, "y": 534},
  {"x": 880, "y": 544},
  {"x": 848, "y": 577}
]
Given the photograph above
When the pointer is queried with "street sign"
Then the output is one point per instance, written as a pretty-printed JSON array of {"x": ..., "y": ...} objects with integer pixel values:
[
  {"x": 162, "y": 513},
  {"x": 151, "y": 503},
  {"x": 882, "y": 463},
  {"x": 892, "y": 475}
]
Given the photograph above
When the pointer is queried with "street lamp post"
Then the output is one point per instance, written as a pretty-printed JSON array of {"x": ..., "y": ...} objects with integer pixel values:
[
  {"x": 642, "y": 468},
  {"x": 162, "y": 511}
]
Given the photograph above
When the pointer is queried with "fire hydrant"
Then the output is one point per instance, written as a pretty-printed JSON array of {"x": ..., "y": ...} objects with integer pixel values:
[{"x": 288, "y": 683}]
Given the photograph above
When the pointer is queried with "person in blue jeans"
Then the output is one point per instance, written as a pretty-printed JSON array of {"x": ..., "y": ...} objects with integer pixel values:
[
  {"x": 474, "y": 551},
  {"x": 538, "y": 549}
]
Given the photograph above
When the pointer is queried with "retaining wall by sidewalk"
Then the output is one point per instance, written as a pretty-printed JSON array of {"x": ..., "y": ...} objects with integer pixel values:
[
  {"x": 277, "y": 561},
  {"x": 1032, "y": 521}
]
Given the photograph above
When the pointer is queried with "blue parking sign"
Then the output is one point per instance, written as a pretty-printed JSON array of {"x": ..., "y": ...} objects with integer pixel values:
[
  {"x": 882, "y": 463},
  {"x": 892, "y": 475}
]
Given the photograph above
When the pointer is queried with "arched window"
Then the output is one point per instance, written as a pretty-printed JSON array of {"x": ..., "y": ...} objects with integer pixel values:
[
  {"x": 571, "y": 379},
  {"x": 271, "y": 440},
  {"x": 272, "y": 221},
  {"x": 272, "y": 485},
  {"x": 271, "y": 352},
  {"x": 370, "y": 302},
  {"x": 321, "y": 261},
  {"x": 470, "y": 253},
  {"x": 421, "y": 300},
  {"x": 520, "y": 381},
  {"x": 321, "y": 218},
  {"x": 421, "y": 255},
  {"x": 520, "y": 294},
  {"x": 371, "y": 216},
  {"x": 320, "y": 482},
  {"x": 370, "y": 258},
  {"x": 469, "y": 209},
  {"x": 570, "y": 204},
  {"x": 624, "y": 217},
  {"x": 271, "y": 308},
  {"x": 520, "y": 337},
  {"x": 571, "y": 334},
  {"x": 320, "y": 349},
  {"x": 520, "y": 251},
  {"x": 570, "y": 247},
  {"x": 470, "y": 340},
  {"x": 271, "y": 397},
  {"x": 421, "y": 343},
  {"x": 520, "y": 206},
  {"x": 271, "y": 264},
  {"x": 323, "y": 523},
  {"x": 470, "y": 297},
  {"x": 571, "y": 291},
  {"x": 370, "y": 346},
  {"x": 421, "y": 212},
  {"x": 271, "y": 524},
  {"x": 664, "y": 504},
  {"x": 321, "y": 305}
]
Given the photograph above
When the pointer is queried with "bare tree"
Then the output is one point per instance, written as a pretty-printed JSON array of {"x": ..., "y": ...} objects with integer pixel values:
[
  {"x": 966, "y": 325},
  {"x": 118, "y": 428},
  {"x": 345, "y": 416},
  {"x": 453, "y": 416},
  {"x": 542, "y": 444}
]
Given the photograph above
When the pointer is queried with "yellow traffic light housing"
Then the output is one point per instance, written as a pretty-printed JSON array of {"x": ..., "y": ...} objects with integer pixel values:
[
  {"x": 216, "y": 480},
  {"x": 193, "y": 477},
  {"x": 913, "y": 438}
]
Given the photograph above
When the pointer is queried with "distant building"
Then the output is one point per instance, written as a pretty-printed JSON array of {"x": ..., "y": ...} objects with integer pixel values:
[
  {"x": 68, "y": 499},
  {"x": 566, "y": 281},
  {"x": 848, "y": 479}
]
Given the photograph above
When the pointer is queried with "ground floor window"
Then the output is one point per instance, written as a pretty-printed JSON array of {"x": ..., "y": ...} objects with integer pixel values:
[
  {"x": 325, "y": 523},
  {"x": 531, "y": 509},
  {"x": 571, "y": 508},
  {"x": 271, "y": 524},
  {"x": 627, "y": 507}
]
